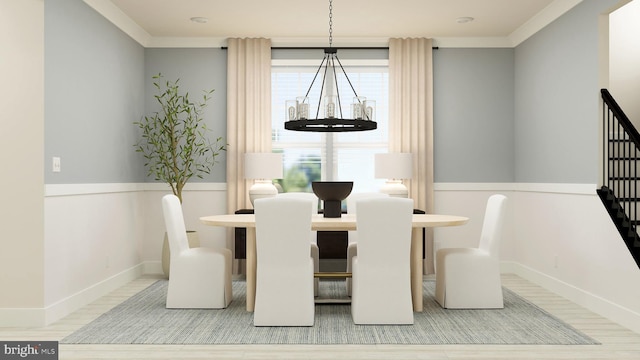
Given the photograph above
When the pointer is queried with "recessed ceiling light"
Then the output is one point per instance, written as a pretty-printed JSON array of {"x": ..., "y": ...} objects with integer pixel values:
[
  {"x": 200, "y": 20},
  {"x": 464, "y": 19}
]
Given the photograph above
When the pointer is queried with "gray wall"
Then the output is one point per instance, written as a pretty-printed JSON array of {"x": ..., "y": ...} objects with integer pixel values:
[
  {"x": 557, "y": 97},
  {"x": 528, "y": 114},
  {"x": 624, "y": 57},
  {"x": 473, "y": 115},
  {"x": 94, "y": 91},
  {"x": 198, "y": 70},
  {"x": 473, "y": 110}
]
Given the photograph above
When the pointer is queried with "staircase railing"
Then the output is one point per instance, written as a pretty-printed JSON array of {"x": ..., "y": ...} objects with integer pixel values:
[{"x": 621, "y": 154}]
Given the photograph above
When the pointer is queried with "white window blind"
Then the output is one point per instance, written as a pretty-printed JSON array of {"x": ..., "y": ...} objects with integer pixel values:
[{"x": 314, "y": 156}]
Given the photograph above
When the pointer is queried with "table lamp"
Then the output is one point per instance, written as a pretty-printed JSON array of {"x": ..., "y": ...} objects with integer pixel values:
[
  {"x": 394, "y": 167},
  {"x": 263, "y": 168}
]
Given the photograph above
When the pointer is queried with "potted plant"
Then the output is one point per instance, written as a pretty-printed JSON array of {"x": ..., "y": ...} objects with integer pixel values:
[{"x": 174, "y": 142}]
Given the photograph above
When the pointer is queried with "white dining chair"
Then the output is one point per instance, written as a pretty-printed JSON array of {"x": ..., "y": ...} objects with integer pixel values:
[
  {"x": 200, "y": 277},
  {"x": 315, "y": 250},
  {"x": 284, "y": 267},
  {"x": 469, "y": 278},
  {"x": 352, "y": 246},
  {"x": 381, "y": 286}
]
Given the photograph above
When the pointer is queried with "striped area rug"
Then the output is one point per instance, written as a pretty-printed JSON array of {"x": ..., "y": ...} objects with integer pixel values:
[{"x": 143, "y": 319}]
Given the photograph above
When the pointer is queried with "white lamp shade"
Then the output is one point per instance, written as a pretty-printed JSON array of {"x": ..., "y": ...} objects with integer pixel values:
[
  {"x": 262, "y": 166},
  {"x": 393, "y": 166}
]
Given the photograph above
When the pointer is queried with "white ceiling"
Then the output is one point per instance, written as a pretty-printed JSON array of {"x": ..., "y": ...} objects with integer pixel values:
[{"x": 291, "y": 22}]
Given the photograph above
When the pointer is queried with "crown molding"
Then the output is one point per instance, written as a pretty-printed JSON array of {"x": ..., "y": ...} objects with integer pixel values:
[
  {"x": 213, "y": 42},
  {"x": 539, "y": 21},
  {"x": 187, "y": 42},
  {"x": 550, "y": 13},
  {"x": 441, "y": 42},
  {"x": 472, "y": 42},
  {"x": 112, "y": 13}
]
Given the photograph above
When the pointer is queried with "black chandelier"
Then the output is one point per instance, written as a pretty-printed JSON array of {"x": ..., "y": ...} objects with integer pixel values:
[{"x": 298, "y": 112}]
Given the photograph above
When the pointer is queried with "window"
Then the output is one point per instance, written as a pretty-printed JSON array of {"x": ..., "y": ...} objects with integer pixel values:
[{"x": 347, "y": 156}]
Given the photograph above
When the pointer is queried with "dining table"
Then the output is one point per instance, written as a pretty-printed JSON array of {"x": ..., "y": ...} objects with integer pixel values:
[{"x": 347, "y": 222}]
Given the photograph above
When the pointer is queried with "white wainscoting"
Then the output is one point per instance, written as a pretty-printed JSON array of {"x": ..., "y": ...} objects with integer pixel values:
[
  {"x": 99, "y": 236},
  {"x": 199, "y": 199},
  {"x": 558, "y": 236}
]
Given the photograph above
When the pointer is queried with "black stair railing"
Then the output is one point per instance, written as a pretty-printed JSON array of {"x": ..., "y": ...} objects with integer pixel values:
[{"x": 620, "y": 177}]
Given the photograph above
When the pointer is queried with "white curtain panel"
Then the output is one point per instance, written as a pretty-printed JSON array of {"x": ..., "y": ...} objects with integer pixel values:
[
  {"x": 248, "y": 112},
  {"x": 248, "y": 116},
  {"x": 411, "y": 120}
]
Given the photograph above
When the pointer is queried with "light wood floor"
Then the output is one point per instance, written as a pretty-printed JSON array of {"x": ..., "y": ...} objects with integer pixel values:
[{"x": 617, "y": 342}]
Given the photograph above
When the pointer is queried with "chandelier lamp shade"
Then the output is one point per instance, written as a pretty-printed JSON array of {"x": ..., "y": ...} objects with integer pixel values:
[
  {"x": 262, "y": 168},
  {"x": 303, "y": 115},
  {"x": 394, "y": 167}
]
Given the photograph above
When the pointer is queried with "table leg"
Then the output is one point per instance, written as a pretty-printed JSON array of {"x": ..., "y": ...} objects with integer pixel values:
[
  {"x": 416, "y": 268},
  {"x": 251, "y": 268}
]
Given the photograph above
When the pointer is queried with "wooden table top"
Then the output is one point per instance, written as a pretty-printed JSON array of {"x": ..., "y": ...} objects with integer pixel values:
[{"x": 344, "y": 223}]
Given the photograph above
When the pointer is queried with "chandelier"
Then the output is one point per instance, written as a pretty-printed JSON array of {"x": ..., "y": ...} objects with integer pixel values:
[{"x": 299, "y": 113}]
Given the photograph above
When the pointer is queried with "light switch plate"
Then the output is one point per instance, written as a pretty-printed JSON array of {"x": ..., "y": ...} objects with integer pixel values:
[{"x": 56, "y": 164}]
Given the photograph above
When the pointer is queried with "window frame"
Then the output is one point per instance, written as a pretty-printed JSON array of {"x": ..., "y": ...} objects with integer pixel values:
[{"x": 327, "y": 143}]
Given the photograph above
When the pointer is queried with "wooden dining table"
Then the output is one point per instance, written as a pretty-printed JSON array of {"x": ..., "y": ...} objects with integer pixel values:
[{"x": 345, "y": 223}]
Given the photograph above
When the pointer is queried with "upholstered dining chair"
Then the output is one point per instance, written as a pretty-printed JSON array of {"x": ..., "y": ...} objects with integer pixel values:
[
  {"x": 469, "y": 278},
  {"x": 381, "y": 286},
  {"x": 284, "y": 267},
  {"x": 352, "y": 248},
  {"x": 200, "y": 277},
  {"x": 315, "y": 251}
]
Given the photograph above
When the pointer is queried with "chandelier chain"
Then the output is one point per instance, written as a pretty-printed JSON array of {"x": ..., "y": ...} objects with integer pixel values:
[
  {"x": 330, "y": 22},
  {"x": 333, "y": 120}
]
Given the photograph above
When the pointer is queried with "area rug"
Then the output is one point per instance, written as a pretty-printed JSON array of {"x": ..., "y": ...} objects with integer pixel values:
[{"x": 143, "y": 319}]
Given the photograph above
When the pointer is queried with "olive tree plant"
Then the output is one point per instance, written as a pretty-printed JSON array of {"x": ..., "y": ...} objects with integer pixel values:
[{"x": 174, "y": 140}]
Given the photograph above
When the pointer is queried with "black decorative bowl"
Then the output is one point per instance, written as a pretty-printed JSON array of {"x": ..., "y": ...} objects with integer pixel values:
[{"x": 332, "y": 193}]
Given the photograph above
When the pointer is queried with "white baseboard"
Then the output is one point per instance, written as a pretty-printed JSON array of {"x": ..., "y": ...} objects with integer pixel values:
[
  {"x": 152, "y": 268},
  {"x": 74, "y": 302},
  {"x": 603, "y": 307},
  {"x": 39, "y": 317},
  {"x": 614, "y": 312}
]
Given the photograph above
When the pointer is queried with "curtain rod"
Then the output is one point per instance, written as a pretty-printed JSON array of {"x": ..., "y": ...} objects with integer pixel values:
[{"x": 322, "y": 48}]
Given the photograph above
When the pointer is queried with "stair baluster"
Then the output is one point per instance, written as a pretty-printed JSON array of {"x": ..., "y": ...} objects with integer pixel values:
[{"x": 619, "y": 189}]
